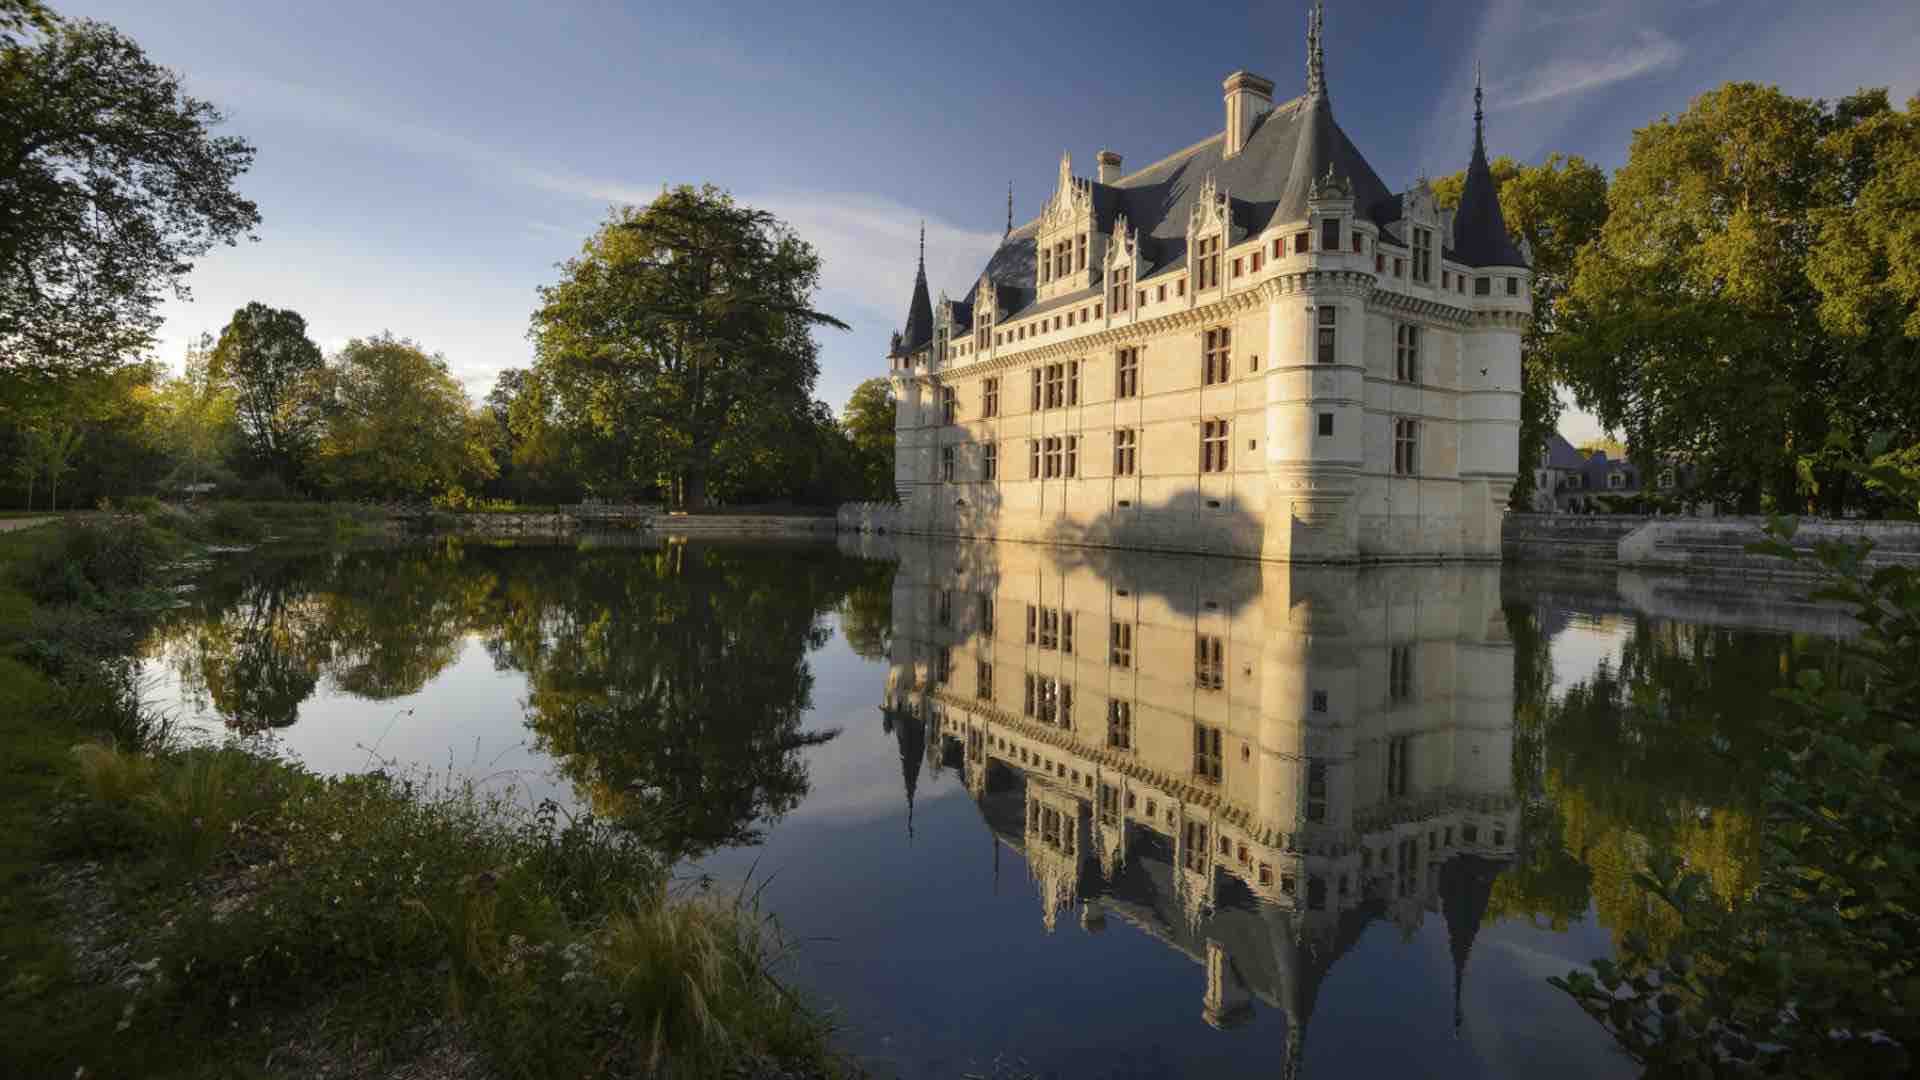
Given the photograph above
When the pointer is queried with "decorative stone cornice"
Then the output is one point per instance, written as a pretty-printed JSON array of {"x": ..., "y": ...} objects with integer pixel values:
[{"x": 1433, "y": 310}]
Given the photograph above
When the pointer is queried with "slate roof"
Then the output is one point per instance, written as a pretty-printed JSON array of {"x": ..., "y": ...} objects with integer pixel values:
[
  {"x": 1290, "y": 147},
  {"x": 1479, "y": 232}
]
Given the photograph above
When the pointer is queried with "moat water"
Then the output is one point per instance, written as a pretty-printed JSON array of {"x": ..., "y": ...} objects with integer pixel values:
[{"x": 1054, "y": 812}]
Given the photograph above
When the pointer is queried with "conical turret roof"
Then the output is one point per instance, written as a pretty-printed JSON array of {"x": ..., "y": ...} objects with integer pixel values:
[
  {"x": 919, "y": 330},
  {"x": 1479, "y": 232}
]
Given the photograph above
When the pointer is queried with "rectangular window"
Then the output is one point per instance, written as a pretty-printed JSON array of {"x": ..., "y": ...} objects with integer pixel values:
[
  {"x": 1327, "y": 321},
  {"x": 943, "y": 611},
  {"x": 1080, "y": 258},
  {"x": 1213, "y": 446},
  {"x": 1279, "y": 247},
  {"x": 1096, "y": 311},
  {"x": 1379, "y": 263},
  {"x": 984, "y": 601},
  {"x": 990, "y": 398},
  {"x": 990, "y": 461},
  {"x": 1209, "y": 662},
  {"x": 1054, "y": 385},
  {"x": 1124, "y": 448},
  {"x": 1302, "y": 243},
  {"x": 1180, "y": 287},
  {"x": 1046, "y": 266},
  {"x": 1359, "y": 243},
  {"x": 1239, "y": 267},
  {"x": 1446, "y": 280},
  {"x": 983, "y": 681},
  {"x": 1073, "y": 382},
  {"x": 1399, "y": 267},
  {"x": 1423, "y": 255},
  {"x": 1207, "y": 263},
  {"x": 1161, "y": 295},
  {"x": 1316, "y": 791},
  {"x": 1035, "y": 403},
  {"x": 1073, "y": 456},
  {"x": 1483, "y": 286},
  {"x": 1406, "y": 353},
  {"x": 1033, "y": 459},
  {"x": 1326, "y": 423},
  {"x": 1033, "y": 625},
  {"x": 1126, "y": 373},
  {"x": 946, "y": 464},
  {"x": 1053, "y": 456},
  {"x": 1120, "y": 725},
  {"x": 1406, "y": 446},
  {"x": 1513, "y": 286},
  {"x": 1120, "y": 644},
  {"x": 1330, "y": 234},
  {"x": 1254, "y": 263},
  {"x": 1117, "y": 294},
  {"x": 943, "y": 667},
  {"x": 1397, "y": 748},
  {"x": 949, "y": 404},
  {"x": 1216, "y": 356},
  {"x": 1206, "y": 756},
  {"x": 1400, "y": 673}
]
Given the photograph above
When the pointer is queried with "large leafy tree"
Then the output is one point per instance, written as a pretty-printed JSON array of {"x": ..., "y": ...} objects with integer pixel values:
[
  {"x": 265, "y": 355},
  {"x": 399, "y": 423},
  {"x": 869, "y": 423},
  {"x": 112, "y": 184},
  {"x": 1700, "y": 322},
  {"x": 679, "y": 323},
  {"x": 1555, "y": 208}
]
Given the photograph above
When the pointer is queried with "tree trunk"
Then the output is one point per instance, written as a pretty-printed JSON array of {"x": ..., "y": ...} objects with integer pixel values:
[{"x": 694, "y": 498}]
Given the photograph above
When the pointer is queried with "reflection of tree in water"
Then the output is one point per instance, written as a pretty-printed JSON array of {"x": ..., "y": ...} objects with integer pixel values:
[
  {"x": 670, "y": 684},
  {"x": 1654, "y": 753}
]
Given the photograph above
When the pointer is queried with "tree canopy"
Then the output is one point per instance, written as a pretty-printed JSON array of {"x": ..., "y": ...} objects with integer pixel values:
[
  {"x": 396, "y": 420},
  {"x": 113, "y": 184},
  {"x": 265, "y": 355},
  {"x": 680, "y": 337},
  {"x": 1745, "y": 302}
]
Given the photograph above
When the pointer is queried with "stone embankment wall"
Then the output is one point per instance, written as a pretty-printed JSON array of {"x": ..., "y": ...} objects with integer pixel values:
[
  {"x": 561, "y": 522},
  {"x": 1703, "y": 545},
  {"x": 744, "y": 525},
  {"x": 869, "y": 517}
]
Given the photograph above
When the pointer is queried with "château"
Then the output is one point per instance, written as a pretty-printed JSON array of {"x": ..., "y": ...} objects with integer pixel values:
[{"x": 1249, "y": 348}]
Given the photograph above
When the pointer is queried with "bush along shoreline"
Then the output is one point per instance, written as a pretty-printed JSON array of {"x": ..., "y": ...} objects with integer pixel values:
[{"x": 199, "y": 910}]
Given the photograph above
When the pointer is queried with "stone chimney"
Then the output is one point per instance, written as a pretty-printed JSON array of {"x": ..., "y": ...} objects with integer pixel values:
[
  {"x": 1248, "y": 97},
  {"x": 1109, "y": 166}
]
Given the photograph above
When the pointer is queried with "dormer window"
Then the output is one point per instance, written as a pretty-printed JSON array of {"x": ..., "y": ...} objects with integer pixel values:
[
  {"x": 1207, "y": 262},
  {"x": 1121, "y": 277},
  {"x": 1302, "y": 243},
  {"x": 1422, "y": 255},
  {"x": 1330, "y": 234}
]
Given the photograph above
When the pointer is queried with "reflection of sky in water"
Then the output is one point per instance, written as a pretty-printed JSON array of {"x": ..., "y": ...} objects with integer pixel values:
[{"x": 933, "y": 949}]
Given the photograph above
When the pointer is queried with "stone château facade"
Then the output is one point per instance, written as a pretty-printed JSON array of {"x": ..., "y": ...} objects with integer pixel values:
[{"x": 1249, "y": 348}]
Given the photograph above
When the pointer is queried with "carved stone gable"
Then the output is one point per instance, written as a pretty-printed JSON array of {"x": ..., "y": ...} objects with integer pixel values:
[
  {"x": 1072, "y": 202},
  {"x": 1209, "y": 210}
]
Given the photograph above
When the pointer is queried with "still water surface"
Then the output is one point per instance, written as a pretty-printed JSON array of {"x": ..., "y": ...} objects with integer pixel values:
[{"x": 1054, "y": 812}]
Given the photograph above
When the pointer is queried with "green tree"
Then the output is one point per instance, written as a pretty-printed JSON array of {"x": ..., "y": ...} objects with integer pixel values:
[
  {"x": 195, "y": 420},
  {"x": 1554, "y": 209},
  {"x": 869, "y": 423},
  {"x": 1696, "y": 324},
  {"x": 265, "y": 355},
  {"x": 677, "y": 324},
  {"x": 398, "y": 423},
  {"x": 113, "y": 185}
]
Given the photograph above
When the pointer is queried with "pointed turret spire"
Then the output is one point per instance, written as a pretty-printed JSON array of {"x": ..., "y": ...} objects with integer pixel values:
[
  {"x": 1316, "y": 55},
  {"x": 1479, "y": 231},
  {"x": 919, "y": 331}
]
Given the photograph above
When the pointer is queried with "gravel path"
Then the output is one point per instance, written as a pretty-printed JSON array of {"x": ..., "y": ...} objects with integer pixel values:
[{"x": 10, "y": 524}]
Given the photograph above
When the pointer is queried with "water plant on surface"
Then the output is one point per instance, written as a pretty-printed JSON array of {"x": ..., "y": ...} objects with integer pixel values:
[{"x": 1814, "y": 971}]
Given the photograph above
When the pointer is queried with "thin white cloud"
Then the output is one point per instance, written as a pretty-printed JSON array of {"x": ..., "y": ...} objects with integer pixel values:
[{"x": 1565, "y": 75}]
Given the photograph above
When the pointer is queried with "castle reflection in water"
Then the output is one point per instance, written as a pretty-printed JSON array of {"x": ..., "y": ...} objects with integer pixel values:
[{"x": 1249, "y": 762}]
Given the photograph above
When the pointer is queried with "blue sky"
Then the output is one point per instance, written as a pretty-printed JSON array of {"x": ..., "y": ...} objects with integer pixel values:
[{"x": 423, "y": 166}]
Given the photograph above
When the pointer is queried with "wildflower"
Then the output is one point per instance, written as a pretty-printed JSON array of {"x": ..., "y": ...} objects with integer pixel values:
[{"x": 334, "y": 836}]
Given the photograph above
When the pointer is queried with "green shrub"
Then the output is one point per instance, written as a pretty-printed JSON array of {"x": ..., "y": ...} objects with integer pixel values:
[
  {"x": 93, "y": 558},
  {"x": 235, "y": 523}
]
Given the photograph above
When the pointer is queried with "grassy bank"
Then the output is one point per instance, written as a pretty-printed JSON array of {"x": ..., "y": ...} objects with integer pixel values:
[{"x": 174, "y": 910}]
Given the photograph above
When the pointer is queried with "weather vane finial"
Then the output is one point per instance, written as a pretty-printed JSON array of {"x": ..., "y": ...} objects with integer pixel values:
[
  {"x": 923, "y": 243},
  {"x": 1479, "y": 98},
  {"x": 1316, "y": 54},
  {"x": 1009, "y": 231}
]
